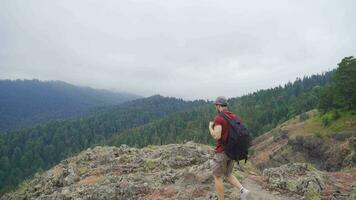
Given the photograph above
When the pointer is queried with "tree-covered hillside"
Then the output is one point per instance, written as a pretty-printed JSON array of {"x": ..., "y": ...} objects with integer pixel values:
[
  {"x": 340, "y": 93},
  {"x": 26, "y": 102},
  {"x": 25, "y": 151},
  {"x": 154, "y": 120},
  {"x": 260, "y": 111}
]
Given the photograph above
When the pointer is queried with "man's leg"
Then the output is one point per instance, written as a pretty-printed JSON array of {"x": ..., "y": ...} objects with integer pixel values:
[
  {"x": 219, "y": 187},
  {"x": 233, "y": 180}
]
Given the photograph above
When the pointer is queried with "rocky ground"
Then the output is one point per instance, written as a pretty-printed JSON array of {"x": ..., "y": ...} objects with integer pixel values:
[
  {"x": 176, "y": 171},
  {"x": 155, "y": 172},
  {"x": 331, "y": 157}
]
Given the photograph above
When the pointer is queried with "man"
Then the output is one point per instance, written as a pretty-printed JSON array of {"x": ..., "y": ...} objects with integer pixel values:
[{"x": 222, "y": 165}]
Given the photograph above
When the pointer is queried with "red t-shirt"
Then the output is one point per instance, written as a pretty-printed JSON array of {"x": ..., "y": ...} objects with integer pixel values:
[{"x": 219, "y": 120}]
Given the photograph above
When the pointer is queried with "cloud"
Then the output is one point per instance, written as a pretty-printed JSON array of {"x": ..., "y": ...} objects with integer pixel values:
[{"x": 188, "y": 49}]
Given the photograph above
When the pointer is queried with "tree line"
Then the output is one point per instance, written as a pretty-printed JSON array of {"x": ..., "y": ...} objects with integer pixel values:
[{"x": 261, "y": 111}]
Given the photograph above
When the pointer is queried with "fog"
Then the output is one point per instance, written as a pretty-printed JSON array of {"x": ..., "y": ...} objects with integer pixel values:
[{"x": 186, "y": 49}]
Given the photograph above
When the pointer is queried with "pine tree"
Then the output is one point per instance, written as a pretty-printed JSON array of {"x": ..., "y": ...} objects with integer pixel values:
[{"x": 345, "y": 80}]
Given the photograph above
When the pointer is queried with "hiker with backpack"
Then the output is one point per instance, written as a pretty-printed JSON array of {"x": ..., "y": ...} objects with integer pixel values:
[{"x": 232, "y": 141}]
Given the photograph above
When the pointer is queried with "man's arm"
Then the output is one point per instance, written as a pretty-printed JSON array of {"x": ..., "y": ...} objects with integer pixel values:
[{"x": 216, "y": 131}]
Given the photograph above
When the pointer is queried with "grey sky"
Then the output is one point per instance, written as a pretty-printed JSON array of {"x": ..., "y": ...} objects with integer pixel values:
[{"x": 182, "y": 48}]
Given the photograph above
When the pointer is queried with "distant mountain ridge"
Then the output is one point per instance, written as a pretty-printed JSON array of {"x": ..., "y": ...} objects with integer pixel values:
[{"x": 26, "y": 102}]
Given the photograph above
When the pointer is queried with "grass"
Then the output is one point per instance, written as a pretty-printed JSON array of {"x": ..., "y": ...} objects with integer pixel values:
[
  {"x": 151, "y": 147},
  {"x": 149, "y": 164},
  {"x": 322, "y": 125},
  {"x": 22, "y": 186},
  {"x": 82, "y": 170},
  {"x": 56, "y": 172}
]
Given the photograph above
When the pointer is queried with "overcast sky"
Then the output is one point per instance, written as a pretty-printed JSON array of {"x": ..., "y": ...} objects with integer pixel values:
[{"x": 183, "y": 48}]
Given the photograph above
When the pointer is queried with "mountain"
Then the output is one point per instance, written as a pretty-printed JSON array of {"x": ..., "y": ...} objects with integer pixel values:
[
  {"x": 300, "y": 158},
  {"x": 261, "y": 111},
  {"x": 25, "y": 151},
  {"x": 26, "y": 102},
  {"x": 154, "y": 120}
]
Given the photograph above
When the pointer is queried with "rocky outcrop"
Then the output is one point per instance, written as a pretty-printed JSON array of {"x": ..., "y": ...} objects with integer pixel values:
[
  {"x": 290, "y": 143},
  {"x": 176, "y": 171},
  {"x": 297, "y": 177},
  {"x": 310, "y": 183},
  {"x": 125, "y": 173},
  {"x": 155, "y": 172}
]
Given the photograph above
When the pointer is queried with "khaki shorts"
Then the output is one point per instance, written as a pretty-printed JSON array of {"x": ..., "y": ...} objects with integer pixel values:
[{"x": 222, "y": 165}]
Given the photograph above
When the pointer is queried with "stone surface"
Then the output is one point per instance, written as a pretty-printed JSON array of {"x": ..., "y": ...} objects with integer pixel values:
[{"x": 176, "y": 171}]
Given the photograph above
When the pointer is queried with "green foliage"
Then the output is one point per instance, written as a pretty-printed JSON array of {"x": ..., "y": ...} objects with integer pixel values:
[
  {"x": 251, "y": 152},
  {"x": 336, "y": 121},
  {"x": 319, "y": 135},
  {"x": 327, "y": 99},
  {"x": 335, "y": 114},
  {"x": 26, "y": 151},
  {"x": 150, "y": 121},
  {"x": 345, "y": 82},
  {"x": 313, "y": 195},
  {"x": 326, "y": 119},
  {"x": 260, "y": 111},
  {"x": 151, "y": 147},
  {"x": 149, "y": 164},
  {"x": 341, "y": 93}
]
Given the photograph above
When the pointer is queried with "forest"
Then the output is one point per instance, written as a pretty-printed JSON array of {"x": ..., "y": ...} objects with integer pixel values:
[{"x": 161, "y": 120}]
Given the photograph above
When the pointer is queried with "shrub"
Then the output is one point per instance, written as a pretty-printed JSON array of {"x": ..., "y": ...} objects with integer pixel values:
[
  {"x": 251, "y": 152},
  {"x": 335, "y": 115},
  {"x": 353, "y": 112},
  {"x": 149, "y": 164},
  {"x": 326, "y": 120}
]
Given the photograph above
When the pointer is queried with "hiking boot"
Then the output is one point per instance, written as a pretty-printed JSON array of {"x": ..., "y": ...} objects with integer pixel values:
[{"x": 243, "y": 193}]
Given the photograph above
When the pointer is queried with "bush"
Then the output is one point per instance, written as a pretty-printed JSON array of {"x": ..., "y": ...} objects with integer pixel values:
[
  {"x": 149, "y": 164},
  {"x": 251, "y": 152},
  {"x": 326, "y": 120},
  {"x": 335, "y": 115}
]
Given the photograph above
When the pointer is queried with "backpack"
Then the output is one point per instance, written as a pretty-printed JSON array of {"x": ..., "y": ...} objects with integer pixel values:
[{"x": 238, "y": 139}]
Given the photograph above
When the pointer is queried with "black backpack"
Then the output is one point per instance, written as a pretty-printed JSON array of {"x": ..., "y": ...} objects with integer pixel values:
[{"x": 238, "y": 140}]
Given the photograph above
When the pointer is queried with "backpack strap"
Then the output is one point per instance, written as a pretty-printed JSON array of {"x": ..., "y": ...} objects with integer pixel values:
[
  {"x": 231, "y": 123},
  {"x": 228, "y": 119}
]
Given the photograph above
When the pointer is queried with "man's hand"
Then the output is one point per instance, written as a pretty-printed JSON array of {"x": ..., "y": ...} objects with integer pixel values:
[{"x": 211, "y": 124}]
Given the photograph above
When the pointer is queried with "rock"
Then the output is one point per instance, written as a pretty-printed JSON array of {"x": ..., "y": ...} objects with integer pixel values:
[
  {"x": 337, "y": 195},
  {"x": 125, "y": 173},
  {"x": 341, "y": 136},
  {"x": 320, "y": 153},
  {"x": 296, "y": 178}
]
